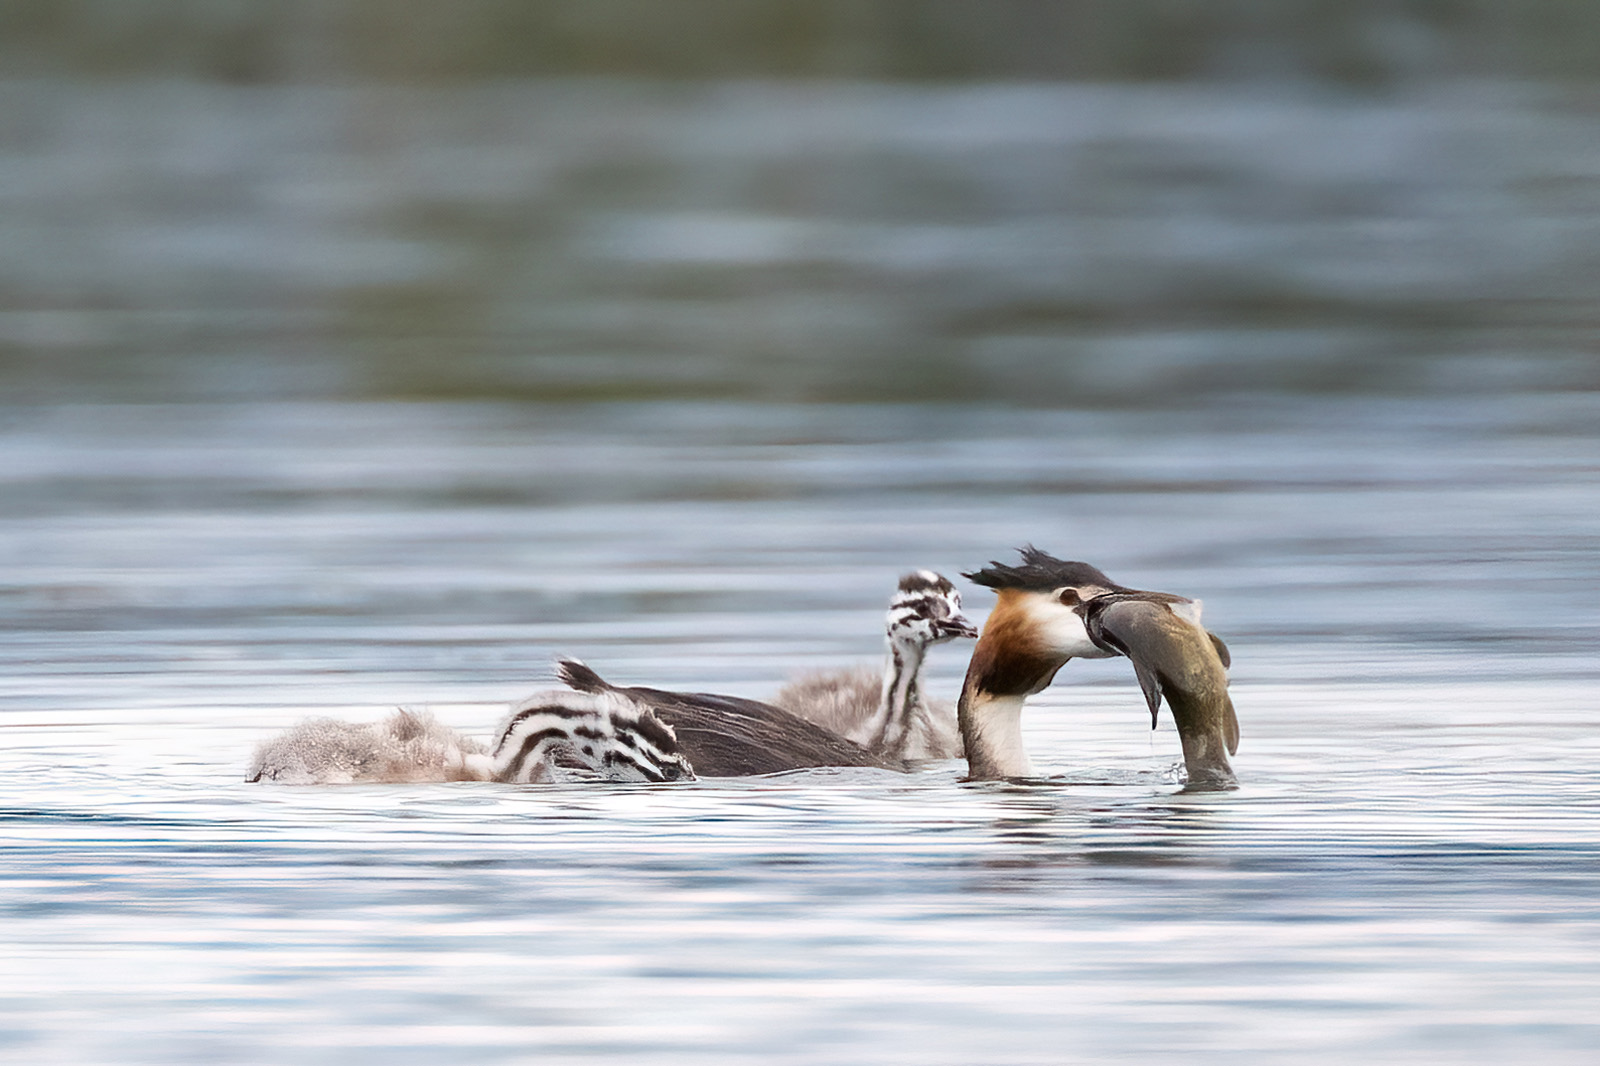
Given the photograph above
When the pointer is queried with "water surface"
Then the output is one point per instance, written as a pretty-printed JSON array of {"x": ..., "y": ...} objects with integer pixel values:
[{"x": 1407, "y": 873}]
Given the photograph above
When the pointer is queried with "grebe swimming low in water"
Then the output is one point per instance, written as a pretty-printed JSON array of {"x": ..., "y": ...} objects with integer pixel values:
[
  {"x": 846, "y": 719},
  {"x": 1050, "y": 611}
]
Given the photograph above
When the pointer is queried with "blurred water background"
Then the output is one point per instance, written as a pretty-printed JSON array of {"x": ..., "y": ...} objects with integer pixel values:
[{"x": 356, "y": 354}]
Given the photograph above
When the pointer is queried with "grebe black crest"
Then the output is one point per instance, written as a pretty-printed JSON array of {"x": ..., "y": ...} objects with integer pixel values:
[
  {"x": 885, "y": 711},
  {"x": 1041, "y": 572},
  {"x": 546, "y": 737},
  {"x": 1049, "y": 611}
]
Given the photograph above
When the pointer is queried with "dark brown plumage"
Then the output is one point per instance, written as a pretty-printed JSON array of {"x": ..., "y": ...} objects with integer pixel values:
[{"x": 728, "y": 736}]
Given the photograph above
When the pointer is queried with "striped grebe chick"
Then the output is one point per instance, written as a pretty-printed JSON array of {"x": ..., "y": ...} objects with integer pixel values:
[
  {"x": 545, "y": 735},
  {"x": 730, "y": 736},
  {"x": 598, "y": 732},
  {"x": 884, "y": 711},
  {"x": 1050, "y": 611}
]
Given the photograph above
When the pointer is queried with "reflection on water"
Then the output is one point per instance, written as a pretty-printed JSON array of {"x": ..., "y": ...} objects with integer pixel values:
[{"x": 1406, "y": 873}]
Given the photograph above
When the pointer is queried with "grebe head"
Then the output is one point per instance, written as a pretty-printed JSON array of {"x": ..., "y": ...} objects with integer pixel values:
[
  {"x": 926, "y": 610},
  {"x": 1038, "y": 623}
]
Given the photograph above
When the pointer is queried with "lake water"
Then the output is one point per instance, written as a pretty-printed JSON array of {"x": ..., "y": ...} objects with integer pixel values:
[
  {"x": 1406, "y": 874},
  {"x": 327, "y": 399}
]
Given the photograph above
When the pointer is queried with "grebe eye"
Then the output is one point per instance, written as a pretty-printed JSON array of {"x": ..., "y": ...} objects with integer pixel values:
[{"x": 1069, "y": 597}]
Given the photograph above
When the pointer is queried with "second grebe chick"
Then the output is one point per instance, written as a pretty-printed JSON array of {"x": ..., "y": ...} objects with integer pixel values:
[
  {"x": 885, "y": 711},
  {"x": 405, "y": 748},
  {"x": 595, "y": 734},
  {"x": 1050, "y": 611}
]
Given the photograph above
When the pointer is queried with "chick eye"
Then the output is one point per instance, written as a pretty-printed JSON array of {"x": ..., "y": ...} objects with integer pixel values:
[{"x": 1069, "y": 597}]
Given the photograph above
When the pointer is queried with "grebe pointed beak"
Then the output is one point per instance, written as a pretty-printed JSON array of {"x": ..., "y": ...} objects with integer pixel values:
[{"x": 953, "y": 627}]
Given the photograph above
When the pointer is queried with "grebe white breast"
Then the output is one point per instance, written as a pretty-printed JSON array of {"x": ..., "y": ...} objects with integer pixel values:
[
  {"x": 884, "y": 711},
  {"x": 1050, "y": 611},
  {"x": 545, "y": 736}
]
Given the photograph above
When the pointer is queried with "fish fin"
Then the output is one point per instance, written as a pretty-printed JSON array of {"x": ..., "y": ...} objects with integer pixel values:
[
  {"x": 1230, "y": 727},
  {"x": 1150, "y": 682},
  {"x": 1222, "y": 649}
]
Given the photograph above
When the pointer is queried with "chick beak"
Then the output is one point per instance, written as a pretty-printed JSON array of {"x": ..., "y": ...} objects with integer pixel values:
[{"x": 955, "y": 626}]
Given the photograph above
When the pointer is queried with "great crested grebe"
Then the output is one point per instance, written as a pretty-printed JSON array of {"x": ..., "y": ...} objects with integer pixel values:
[
  {"x": 1050, "y": 611},
  {"x": 831, "y": 721},
  {"x": 596, "y": 733},
  {"x": 884, "y": 711}
]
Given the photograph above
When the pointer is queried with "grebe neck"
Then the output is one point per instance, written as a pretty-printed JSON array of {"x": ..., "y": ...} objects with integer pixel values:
[
  {"x": 991, "y": 729},
  {"x": 890, "y": 726},
  {"x": 1013, "y": 660}
]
